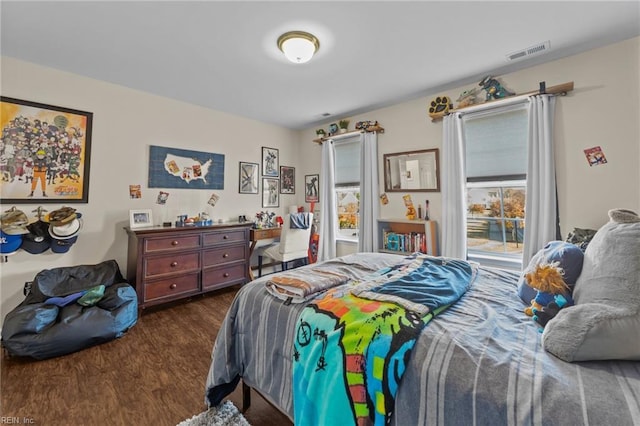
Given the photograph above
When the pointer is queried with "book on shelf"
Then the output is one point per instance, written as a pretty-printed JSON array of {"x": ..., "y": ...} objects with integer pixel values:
[{"x": 409, "y": 242}]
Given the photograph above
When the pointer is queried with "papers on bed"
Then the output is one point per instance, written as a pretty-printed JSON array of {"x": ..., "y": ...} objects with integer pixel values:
[{"x": 301, "y": 285}]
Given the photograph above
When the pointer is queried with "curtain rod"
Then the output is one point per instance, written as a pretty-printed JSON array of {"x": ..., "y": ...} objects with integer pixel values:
[
  {"x": 559, "y": 90},
  {"x": 370, "y": 129}
]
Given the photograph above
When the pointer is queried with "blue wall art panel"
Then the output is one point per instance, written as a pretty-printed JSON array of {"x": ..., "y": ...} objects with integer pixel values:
[{"x": 186, "y": 169}]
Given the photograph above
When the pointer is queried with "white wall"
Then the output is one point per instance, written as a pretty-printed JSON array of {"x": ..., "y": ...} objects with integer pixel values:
[
  {"x": 125, "y": 123},
  {"x": 602, "y": 110}
]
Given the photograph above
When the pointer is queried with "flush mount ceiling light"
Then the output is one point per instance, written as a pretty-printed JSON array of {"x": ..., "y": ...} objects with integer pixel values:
[{"x": 298, "y": 46}]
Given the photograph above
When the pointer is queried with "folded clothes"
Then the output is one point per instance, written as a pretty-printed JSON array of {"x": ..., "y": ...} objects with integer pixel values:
[
  {"x": 92, "y": 296},
  {"x": 299, "y": 286},
  {"x": 299, "y": 220},
  {"x": 66, "y": 300}
]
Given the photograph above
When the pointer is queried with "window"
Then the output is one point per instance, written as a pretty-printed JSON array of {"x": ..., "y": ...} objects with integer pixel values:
[
  {"x": 347, "y": 186},
  {"x": 496, "y": 167}
]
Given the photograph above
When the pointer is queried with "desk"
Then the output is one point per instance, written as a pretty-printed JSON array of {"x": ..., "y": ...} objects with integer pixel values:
[{"x": 260, "y": 234}]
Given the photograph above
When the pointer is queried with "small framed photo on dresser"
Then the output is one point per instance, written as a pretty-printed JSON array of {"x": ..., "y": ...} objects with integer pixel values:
[{"x": 140, "y": 218}]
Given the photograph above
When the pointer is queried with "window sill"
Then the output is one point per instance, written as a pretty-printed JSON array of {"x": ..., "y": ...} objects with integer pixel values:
[
  {"x": 347, "y": 240},
  {"x": 501, "y": 262}
]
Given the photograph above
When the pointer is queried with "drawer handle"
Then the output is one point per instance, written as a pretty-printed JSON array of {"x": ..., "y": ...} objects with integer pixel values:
[
  {"x": 174, "y": 243},
  {"x": 174, "y": 264},
  {"x": 225, "y": 255},
  {"x": 226, "y": 237},
  {"x": 226, "y": 275},
  {"x": 173, "y": 286}
]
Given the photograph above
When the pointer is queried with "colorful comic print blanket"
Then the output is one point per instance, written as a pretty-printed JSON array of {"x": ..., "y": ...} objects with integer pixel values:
[{"x": 352, "y": 345}]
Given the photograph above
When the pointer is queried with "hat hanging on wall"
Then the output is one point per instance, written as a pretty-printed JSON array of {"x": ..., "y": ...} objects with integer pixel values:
[
  {"x": 66, "y": 230},
  {"x": 14, "y": 222},
  {"x": 38, "y": 240},
  {"x": 9, "y": 244}
]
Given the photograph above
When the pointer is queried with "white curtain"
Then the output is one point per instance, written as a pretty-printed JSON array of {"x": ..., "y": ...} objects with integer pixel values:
[
  {"x": 454, "y": 211},
  {"x": 328, "y": 211},
  {"x": 540, "y": 204},
  {"x": 368, "y": 240}
]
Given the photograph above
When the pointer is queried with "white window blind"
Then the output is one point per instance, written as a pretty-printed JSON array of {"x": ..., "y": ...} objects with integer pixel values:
[
  {"x": 347, "y": 161},
  {"x": 496, "y": 143}
]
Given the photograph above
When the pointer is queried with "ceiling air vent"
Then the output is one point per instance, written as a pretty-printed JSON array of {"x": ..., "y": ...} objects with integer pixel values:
[{"x": 529, "y": 51}]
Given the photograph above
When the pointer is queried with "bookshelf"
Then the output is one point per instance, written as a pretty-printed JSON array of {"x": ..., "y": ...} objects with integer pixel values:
[{"x": 403, "y": 236}]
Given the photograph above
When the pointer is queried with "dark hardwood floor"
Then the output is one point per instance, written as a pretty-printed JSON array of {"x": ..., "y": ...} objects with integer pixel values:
[{"x": 154, "y": 375}]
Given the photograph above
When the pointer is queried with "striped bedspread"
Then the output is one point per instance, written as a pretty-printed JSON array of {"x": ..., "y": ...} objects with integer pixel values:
[{"x": 480, "y": 363}]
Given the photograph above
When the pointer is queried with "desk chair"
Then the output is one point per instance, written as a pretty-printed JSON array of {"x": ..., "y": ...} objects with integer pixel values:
[{"x": 293, "y": 245}]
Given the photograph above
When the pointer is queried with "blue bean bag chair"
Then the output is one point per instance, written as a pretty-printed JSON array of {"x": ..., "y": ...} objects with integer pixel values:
[{"x": 70, "y": 308}]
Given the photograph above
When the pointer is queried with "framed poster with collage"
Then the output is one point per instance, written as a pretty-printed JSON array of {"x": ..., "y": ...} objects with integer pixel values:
[{"x": 45, "y": 153}]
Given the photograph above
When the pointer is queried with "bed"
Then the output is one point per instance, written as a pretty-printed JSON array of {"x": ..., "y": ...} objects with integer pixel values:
[{"x": 480, "y": 361}]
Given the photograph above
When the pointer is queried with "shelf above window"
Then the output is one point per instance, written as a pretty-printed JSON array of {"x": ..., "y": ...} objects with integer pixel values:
[{"x": 369, "y": 129}]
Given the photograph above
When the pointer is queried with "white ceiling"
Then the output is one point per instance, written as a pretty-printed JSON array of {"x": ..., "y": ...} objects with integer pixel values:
[{"x": 223, "y": 55}]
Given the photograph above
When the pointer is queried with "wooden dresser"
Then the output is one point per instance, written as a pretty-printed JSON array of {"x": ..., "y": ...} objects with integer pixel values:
[{"x": 166, "y": 264}]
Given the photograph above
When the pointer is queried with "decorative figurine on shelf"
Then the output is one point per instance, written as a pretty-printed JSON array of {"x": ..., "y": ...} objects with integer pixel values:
[
  {"x": 333, "y": 129},
  {"x": 365, "y": 125},
  {"x": 344, "y": 125},
  {"x": 426, "y": 211},
  {"x": 467, "y": 98},
  {"x": 440, "y": 106},
  {"x": 494, "y": 89}
]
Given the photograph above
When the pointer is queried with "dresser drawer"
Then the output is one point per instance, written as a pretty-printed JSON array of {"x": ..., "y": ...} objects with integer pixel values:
[
  {"x": 172, "y": 287},
  {"x": 152, "y": 245},
  {"x": 170, "y": 264},
  {"x": 220, "y": 255},
  {"x": 223, "y": 276},
  {"x": 226, "y": 236}
]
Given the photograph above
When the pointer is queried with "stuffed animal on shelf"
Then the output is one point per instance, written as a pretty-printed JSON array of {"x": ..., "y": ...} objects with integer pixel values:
[
  {"x": 467, "y": 98},
  {"x": 552, "y": 292}
]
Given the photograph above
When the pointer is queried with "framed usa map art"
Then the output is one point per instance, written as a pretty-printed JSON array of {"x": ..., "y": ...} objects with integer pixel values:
[{"x": 185, "y": 169}]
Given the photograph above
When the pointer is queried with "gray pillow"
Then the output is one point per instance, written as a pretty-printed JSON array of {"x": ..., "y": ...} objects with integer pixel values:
[{"x": 605, "y": 322}]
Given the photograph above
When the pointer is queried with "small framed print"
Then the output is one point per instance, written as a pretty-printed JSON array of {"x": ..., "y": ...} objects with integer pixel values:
[
  {"x": 270, "y": 192},
  {"x": 311, "y": 188},
  {"x": 287, "y": 180},
  {"x": 248, "y": 180},
  {"x": 140, "y": 218},
  {"x": 270, "y": 160}
]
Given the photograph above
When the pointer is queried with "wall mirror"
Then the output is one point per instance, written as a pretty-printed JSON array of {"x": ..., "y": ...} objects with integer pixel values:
[{"x": 412, "y": 171}]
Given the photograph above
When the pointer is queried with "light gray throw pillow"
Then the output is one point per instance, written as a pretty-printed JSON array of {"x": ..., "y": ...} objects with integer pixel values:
[{"x": 605, "y": 322}]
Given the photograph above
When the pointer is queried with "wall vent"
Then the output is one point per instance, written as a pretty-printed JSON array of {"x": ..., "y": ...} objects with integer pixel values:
[{"x": 529, "y": 51}]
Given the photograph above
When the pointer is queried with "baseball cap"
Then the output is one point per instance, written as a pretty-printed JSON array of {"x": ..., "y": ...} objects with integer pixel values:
[{"x": 9, "y": 244}]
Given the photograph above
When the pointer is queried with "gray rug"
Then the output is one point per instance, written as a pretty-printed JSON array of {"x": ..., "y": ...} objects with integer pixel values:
[{"x": 226, "y": 414}]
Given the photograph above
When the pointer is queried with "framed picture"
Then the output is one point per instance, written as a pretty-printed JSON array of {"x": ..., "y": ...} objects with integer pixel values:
[
  {"x": 287, "y": 180},
  {"x": 46, "y": 153},
  {"x": 248, "y": 178},
  {"x": 270, "y": 192},
  {"x": 140, "y": 218},
  {"x": 270, "y": 158},
  {"x": 185, "y": 169},
  {"x": 312, "y": 188}
]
